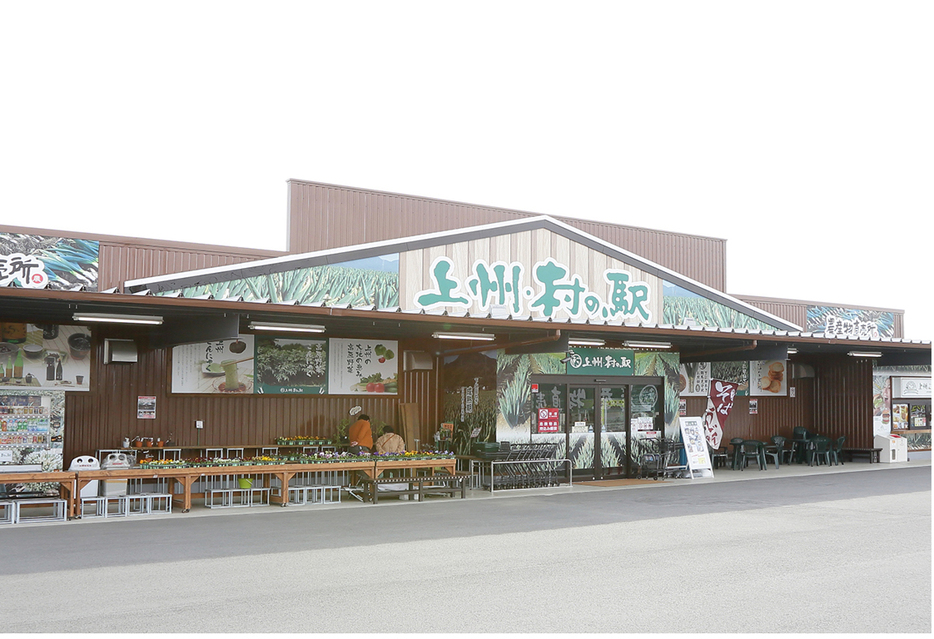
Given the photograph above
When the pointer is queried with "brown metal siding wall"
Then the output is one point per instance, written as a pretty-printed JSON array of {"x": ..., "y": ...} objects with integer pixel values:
[
  {"x": 776, "y": 415},
  {"x": 794, "y": 313},
  {"x": 844, "y": 400},
  {"x": 121, "y": 262},
  {"x": 836, "y": 402},
  {"x": 102, "y": 417},
  {"x": 322, "y": 217},
  {"x": 700, "y": 258}
]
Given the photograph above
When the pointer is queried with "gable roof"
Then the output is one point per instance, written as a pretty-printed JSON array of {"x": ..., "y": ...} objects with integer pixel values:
[{"x": 178, "y": 281}]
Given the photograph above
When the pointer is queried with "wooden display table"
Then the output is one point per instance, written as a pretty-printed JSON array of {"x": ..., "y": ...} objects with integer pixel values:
[
  {"x": 447, "y": 464},
  {"x": 65, "y": 479},
  {"x": 186, "y": 477}
]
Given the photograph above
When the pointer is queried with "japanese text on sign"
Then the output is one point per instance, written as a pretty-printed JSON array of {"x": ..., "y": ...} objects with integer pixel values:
[
  {"x": 548, "y": 420},
  {"x": 556, "y": 289},
  {"x": 25, "y": 270}
]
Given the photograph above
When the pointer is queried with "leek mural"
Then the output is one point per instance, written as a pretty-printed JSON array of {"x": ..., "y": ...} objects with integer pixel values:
[
  {"x": 370, "y": 281},
  {"x": 682, "y": 307},
  {"x": 36, "y": 261},
  {"x": 848, "y": 322}
]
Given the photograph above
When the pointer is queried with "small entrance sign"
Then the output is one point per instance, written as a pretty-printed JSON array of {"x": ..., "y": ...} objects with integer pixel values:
[
  {"x": 695, "y": 447},
  {"x": 548, "y": 420}
]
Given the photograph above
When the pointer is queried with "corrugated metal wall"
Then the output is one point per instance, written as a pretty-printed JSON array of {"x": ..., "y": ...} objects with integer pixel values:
[
  {"x": 101, "y": 417},
  {"x": 121, "y": 261},
  {"x": 834, "y": 403},
  {"x": 324, "y": 216},
  {"x": 791, "y": 311}
]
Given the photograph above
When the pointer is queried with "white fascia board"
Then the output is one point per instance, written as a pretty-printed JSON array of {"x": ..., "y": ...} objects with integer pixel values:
[
  {"x": 672, "y": 276},
  {"x": 383, "y": 247}
]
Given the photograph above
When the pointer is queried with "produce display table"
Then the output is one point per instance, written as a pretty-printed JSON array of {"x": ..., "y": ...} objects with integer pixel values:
[
  {"x": 247, "y": 450},
  {"x": 186, "y": 477}
]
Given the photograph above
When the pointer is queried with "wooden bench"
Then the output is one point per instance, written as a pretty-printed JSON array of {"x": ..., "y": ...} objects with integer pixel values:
[
  {"x": 871, "y": 453},
  {"x": 439, "y": 485}
]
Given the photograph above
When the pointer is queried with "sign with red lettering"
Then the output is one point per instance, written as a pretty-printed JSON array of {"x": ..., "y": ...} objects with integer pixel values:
[{"x": 548, "y": 420}]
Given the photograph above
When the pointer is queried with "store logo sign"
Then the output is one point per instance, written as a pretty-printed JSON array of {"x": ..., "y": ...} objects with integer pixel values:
[
  {"x": 26, "y": 271},
  {"x": 553, "y": 289},
  {"x": 857, "y": 328}
]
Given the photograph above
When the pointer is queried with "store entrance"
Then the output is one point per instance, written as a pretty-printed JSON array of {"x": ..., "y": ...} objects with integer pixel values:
[{"x": 596, "y": 423}]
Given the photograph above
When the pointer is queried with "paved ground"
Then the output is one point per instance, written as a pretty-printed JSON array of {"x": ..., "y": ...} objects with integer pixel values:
[{"x": 786, "y": 551}]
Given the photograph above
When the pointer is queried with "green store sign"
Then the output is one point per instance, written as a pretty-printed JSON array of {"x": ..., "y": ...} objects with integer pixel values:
[{"x": 600, "y": 361}]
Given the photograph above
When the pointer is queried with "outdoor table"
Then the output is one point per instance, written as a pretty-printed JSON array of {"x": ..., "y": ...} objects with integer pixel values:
[
  {"x": 66, "y": 481},
  {"x": 186, "y": 477}
]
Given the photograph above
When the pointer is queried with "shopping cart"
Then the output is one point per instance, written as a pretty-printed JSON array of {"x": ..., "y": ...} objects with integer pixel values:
[
  {"x": 528, "y": 465},
  {"x": 652, "y": 459},
  {"x": 660, "y": 457}
]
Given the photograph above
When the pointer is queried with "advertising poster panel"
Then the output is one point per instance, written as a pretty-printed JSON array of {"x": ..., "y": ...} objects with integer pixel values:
[
  {"x": 363, "y": 366},
  {"x": 222, "y": 366}
]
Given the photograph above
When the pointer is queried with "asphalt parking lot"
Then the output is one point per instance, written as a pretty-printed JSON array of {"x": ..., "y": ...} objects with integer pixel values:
[{"x": 791, "y": 551}]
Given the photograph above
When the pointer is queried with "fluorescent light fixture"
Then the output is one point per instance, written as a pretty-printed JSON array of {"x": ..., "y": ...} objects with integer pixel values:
[
  {"x": 864, "y": 354},
  {"x": 480, "y": 337},
  {"x": 792, "y": 351},
  {"x": 586, "y": 342},
  {"x": 153, "y": 320},
  {"x": 648, "y": 344},
  {"x": 286, "y": 328}
]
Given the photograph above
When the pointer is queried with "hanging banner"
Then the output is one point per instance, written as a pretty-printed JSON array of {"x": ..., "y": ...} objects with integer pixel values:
[{"x": 719, "y": 405}]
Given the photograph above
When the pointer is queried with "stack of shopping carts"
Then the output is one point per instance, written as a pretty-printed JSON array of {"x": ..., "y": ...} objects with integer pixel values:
[
  {"x": 661, "y": 457},
  {"x": 527, "y": 465}
]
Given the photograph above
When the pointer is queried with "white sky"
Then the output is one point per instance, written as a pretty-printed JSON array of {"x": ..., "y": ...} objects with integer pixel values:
[{"x": 799, "y": 131}]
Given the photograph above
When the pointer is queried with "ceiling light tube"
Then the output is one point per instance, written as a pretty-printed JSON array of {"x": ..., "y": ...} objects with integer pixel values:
[
  {"x": 480, "y": 337},
  {"x": 152, "y": 320},
  {"x": 792, "y": 351},
  {"x": 286, "y": 328},
  {"x": 864, "y": 354},
  {"x": 586, "y": 342},
  {"x": 648, "y": 344}
]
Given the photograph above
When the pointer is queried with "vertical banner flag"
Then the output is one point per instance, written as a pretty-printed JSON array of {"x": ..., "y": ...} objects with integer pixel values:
[{"x": 719, "y": 404}]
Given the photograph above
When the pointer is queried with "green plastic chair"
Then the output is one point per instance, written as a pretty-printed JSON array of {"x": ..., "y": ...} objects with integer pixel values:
[
  {"x": 819, "y": 449},
  {"x": 717, "y": 457},
  {"x": 836, "y": 450},
  {"x": 799, "y": 444},
  {"x": 776, "y": 450},
  {"x": 752, "y": 449},
  {"x": 736, "y": 442}
]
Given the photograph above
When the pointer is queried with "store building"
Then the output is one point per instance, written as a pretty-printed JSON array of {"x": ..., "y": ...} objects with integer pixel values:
[{"x": 504, "y": 324}]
